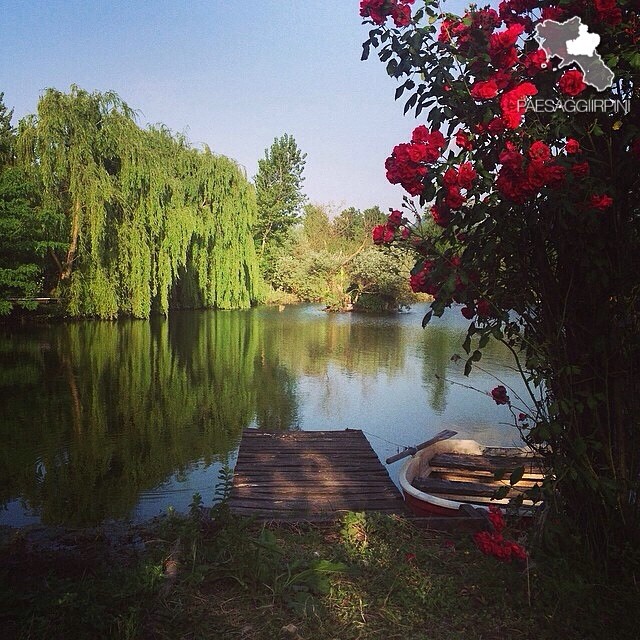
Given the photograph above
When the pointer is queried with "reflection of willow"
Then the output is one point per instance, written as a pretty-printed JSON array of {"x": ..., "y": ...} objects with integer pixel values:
[
  {"x": 436, "y": 349},
  {"x": 276, "y": 401},
  {"x": 362, "y": 348},
  {"x": 121, "y": 407},
  {"x": 438, "y": 346}
]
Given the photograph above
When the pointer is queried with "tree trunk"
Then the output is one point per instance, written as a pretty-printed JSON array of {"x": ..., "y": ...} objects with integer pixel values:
[{"x": 73, "y": 244}]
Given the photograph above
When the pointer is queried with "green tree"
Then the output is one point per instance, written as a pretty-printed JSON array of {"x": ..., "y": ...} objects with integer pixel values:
[
  {"x": 20, "y": 263},
  {"x": 317, "y": 231},
  {"x": 349, "y": 224},
  {"x": 279, "y": 194},
  {"x": 144, "y": 220},
  {"x": 372, "y": 217},
  {"x": 7, "y": 134},
  {"x": 335, "y": 262},
  {"x": 380, "y": 279},
  {"x": 355, "y": 225},
  {"x": 21, "y": 229}
]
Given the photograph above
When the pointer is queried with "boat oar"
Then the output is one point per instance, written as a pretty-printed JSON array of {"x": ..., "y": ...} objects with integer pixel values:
[{"x": 409, "y": 451}]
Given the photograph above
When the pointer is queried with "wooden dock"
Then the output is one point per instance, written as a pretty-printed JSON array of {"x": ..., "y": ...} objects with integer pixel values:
[{"x": 310, "y": 475}]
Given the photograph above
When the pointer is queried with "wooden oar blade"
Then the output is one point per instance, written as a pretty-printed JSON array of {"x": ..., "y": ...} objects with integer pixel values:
[{"x": 442, "y": 435}]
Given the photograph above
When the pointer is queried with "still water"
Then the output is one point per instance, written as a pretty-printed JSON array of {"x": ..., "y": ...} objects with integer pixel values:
[{"x": 106, "y": 420}]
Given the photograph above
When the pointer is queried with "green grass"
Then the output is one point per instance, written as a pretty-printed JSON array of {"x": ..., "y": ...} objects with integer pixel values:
[{"x": 364, "y": 577}]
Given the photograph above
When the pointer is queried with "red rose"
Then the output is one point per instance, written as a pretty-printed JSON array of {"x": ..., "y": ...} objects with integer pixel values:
[
  {"x": 510, "y": 10},
  {"x": 495, "y": 517},
  {"x": 441, "y": 215},
  {"x": 537, "y": 174},
  {"x": 503, "y": 79},
  {"x": 600, "y": 201},
  {"x": 571, "y": 83},
  {"x": 462, "y": 140},
  {"x": 401, "y": 15},
  {"x": 514, "y": 184},
  {"x": 553, "y": 13},
  {"x": 437, "y": 140},
  {"x": 484, "y": 90},
  {"x": 446, "y": 30},
  {"x": 504, "y": 41},
  {"x": 418, "y": 280},
  {"x": 454, "y": 199},
  {"x": 496, "y": 125},
  {"x": 511, "y": 158},
  {"x": 535, "y": 61},
  {"x": 555, "y": 175},
  {"x": 380, "y": 10},
  {"x": 420, "y": 134},
  {"x": 395, "y": 219},
  {"x": 608, "y": 12},
  {"x": 466, "y": 175},
  {"x": 513, "y": 104},
  {"x": 382, "y": 234},
  {"x": 580, "y": 170},
  {"x": 373, "y": 9},
  {"x": 572, "y": 146},
  {"x": 467, "y": 312},
  {"x": 539, "y": 151},
  {"x": 431, "y": 138},
  {"x": 418, "y": 152},
  {"x": 450, "y": 178},
  {"x": 499, "y": 395}
]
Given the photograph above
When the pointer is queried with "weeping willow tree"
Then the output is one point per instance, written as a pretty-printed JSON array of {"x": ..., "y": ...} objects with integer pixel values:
[{"x": 148, "y": 221}]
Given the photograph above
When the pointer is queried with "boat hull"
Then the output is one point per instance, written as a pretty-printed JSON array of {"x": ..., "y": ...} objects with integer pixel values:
[
  {"x": 427, "y": 504},
  {"x": 422, "y": 507}
]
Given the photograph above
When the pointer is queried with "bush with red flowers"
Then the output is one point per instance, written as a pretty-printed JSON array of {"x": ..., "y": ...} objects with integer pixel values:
[
  {"x": 493, "y": 543},
  {"x": 530, "y": 171}
]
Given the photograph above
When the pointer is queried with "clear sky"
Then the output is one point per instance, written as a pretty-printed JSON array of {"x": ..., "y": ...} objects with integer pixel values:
[{"x": 229, "y": 73}]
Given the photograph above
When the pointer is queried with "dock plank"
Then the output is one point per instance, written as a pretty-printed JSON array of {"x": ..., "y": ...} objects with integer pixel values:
[{"x": 310, "y": 475}]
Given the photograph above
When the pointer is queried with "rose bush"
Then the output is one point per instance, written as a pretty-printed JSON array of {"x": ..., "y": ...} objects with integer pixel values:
[
  {"x": 493, "y": 543},
  {"x": 537, "y": 198}
]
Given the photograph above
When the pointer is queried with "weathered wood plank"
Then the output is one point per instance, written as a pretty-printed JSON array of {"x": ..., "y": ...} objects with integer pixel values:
[
  {"x": 309, "y": 459},
  {"x": 300, "y": 436},
  {"x": 439, "y": 486},
  {"x": 443, "y": 461},
  {"x": 317, "y": 504},
  {"x": 291, "y": 452},
  {"x": 477, "y": 475},
  {"x": 275, "y": 484},
  {"x": 300, "y": 516},
  {"x": 342, "y": 472},
  {"x": 318, "y": 494},
  {"x": 511, "y": 452},
  {"x": 304, "y": 474},
  {"x": 480, "y": 499}
]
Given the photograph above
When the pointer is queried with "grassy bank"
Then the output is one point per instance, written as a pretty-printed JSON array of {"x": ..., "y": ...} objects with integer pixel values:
[{"x": 364, "y": 577}]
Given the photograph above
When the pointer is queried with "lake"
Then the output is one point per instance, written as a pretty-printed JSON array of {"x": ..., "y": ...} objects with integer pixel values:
[{"x": 110, "y": 420}]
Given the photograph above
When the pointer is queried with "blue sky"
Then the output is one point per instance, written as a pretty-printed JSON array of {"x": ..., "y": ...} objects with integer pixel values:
[{"x": 228, "y": 73}]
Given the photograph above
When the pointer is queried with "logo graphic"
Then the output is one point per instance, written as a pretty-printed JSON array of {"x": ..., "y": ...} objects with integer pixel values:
[{"x": 573, "y": 44}]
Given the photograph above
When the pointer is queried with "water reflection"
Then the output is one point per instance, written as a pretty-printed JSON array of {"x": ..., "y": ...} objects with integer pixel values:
[{"x": 107, "y": 420}]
